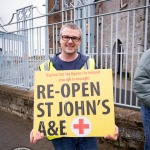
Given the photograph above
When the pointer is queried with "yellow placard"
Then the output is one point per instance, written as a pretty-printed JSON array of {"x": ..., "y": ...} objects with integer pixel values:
[{"x": 74, "y": 103}]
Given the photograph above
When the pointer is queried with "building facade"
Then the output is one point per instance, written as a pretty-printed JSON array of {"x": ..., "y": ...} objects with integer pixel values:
[{"x": 115, "y": 32}]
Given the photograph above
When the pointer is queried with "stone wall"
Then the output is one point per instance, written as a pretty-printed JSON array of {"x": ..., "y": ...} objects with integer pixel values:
[
  {"x": 17, "y": 102},
  {"x": 119, "y": 27},
  {"x": 131, "y": 136}
]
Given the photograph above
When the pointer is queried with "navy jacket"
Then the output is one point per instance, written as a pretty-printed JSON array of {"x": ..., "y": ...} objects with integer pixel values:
[{"x": 78, "y": 66}]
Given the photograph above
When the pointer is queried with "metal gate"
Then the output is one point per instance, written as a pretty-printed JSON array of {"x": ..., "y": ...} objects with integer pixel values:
[{"x": 115, "y": 33}]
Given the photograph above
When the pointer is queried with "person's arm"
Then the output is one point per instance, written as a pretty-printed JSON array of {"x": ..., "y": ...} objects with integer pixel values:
[
  {"x": 141, "y": 83},
  {"x": 114, "y": 136},
  {"x": 142, "y": 80},
  {"x": 38, "y": 136}
]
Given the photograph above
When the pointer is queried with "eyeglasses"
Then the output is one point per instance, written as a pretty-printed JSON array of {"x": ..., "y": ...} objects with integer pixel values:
[{"x": 73, "y": 38}]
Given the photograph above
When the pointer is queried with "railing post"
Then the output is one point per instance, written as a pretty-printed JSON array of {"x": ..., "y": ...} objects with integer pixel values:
[{"x": 46, "y": 34}]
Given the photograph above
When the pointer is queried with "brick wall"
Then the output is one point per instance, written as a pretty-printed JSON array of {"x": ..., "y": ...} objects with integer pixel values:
[
  {"x": 20, "y": 103},
  {"x": 55, "y": 22}
]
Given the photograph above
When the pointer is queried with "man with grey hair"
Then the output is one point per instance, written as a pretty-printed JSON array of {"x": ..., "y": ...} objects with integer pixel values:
[{"x": 70, "y": 59}]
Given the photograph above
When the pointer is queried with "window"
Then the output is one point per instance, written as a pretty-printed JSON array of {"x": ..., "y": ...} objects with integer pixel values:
[
  {"x": 67, "y": 3},
  {"x": 123, "y": 3},
  {"x": 57, "y": 6}
]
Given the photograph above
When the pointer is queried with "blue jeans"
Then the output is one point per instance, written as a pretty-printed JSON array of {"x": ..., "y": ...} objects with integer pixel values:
[
  {"x": 146, "y": 125},
  {"x": 80, "y": 143}
]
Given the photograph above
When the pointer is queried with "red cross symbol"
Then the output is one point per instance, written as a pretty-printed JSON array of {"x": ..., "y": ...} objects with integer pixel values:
[{"x": 81, "y": 126}]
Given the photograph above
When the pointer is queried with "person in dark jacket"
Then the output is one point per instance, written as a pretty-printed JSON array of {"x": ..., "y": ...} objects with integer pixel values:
[
  {"x": 70, "y": 59},
  {"x": 142, "y": 91}
]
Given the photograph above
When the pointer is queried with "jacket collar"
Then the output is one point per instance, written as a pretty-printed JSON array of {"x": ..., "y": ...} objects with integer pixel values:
[{"x": 78, "y": 66}]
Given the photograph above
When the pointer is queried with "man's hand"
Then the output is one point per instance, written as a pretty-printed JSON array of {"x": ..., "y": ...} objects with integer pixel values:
[
  {"x": 114, "y": 136},
  {"x": 37, "y": 137}
]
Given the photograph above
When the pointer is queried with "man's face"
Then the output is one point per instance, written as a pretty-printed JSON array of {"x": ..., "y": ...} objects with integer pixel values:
[{"x": 70, "y": 45}]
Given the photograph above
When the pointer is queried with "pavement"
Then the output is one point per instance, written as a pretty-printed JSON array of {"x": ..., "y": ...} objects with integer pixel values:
[{"x": 15, "y": 131}]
